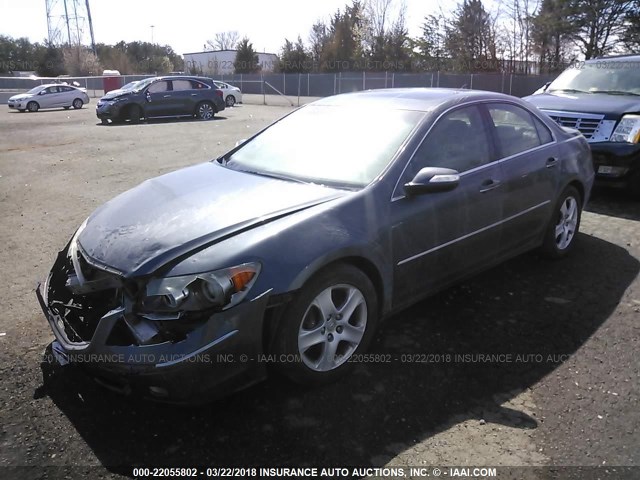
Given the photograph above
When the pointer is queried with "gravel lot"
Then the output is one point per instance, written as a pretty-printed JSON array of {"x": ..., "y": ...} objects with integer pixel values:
[{"x": 566, "y": 391}]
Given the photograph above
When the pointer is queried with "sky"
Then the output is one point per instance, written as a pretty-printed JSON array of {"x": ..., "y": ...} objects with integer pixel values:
[{"x": 186, "y": 25}]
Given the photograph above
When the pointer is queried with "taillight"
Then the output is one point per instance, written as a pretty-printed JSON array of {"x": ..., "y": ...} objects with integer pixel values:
[{"x": 219, "y": 93}]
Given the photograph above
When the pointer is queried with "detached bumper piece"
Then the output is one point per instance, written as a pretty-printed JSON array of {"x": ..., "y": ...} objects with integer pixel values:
[
  {"x": 617, "y": 165},
  {"x": 182, "y": 359}
]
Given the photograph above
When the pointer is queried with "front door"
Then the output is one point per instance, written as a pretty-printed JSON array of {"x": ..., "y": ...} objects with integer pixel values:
[
  {"x": 440, "y": 237},
  {"x": 159, "y": 99}
]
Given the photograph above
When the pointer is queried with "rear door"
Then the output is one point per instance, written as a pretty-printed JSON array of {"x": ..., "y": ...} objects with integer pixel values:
[
  {"x": 67, "y": 95},
  {"x": 440, "y": 237},
  {"x": 529, "y": 158},
  {"x": 186, "y": 96}
]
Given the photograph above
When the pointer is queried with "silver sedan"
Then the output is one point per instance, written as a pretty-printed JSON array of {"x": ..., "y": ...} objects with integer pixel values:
[{"x": 49, "y": 96}]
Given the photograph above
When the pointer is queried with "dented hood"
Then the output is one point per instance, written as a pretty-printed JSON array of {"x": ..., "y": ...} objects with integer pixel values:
[{"x": 172, "y": 216}]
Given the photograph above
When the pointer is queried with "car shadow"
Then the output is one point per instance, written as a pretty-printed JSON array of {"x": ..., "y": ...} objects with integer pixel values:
[
  {"x": 46, "y": 110},
  {"x": 432, "y": 370},
  {"x": 160, "y": 121},
  {"x": 614, "y": 203}
]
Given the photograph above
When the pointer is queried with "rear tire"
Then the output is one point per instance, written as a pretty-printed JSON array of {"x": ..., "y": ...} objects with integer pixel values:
[
  {"x": 230, "y": 101},
  {"x": 33, "y": 106},
  {"x": 333, "y": 317},
  {"x": 563, "y": 228},
  {"x": 205, "y": 111},
  {"x": 77, "y": 104}
]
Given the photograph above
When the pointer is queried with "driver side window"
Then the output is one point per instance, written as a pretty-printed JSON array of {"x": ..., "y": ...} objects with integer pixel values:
[
  {"x": 458, "y": 140},
  {"x": 159, "y": 87}
]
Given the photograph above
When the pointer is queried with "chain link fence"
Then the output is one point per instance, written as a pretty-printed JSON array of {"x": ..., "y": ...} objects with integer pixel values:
[{"x": 322, "y": 84}]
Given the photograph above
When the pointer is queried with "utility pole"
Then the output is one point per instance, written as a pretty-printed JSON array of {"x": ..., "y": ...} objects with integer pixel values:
[
  {"x": 93, "y": 38},
  {"x": 63, "y": 15}
]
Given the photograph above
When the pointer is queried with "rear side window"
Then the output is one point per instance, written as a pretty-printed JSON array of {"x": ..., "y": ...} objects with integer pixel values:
[
  {"x": 543, "y": 131},
  {"x": 198, "y": 85},
  {"x": 459, "y": 140},
  {"x": 179, "y": 85},
  {"x": 515, "y": 129}
]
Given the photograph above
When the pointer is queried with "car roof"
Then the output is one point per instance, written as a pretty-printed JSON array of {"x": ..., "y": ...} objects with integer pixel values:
[
  {"x": 615, "y": 58},
  {"x": 56, "y": 85},
  {"x": 421, "y": 99},
  {"x": 183, "y": 77}
]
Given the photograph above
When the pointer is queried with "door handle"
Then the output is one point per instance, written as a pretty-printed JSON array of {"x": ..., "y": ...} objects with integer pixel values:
[
  {"x": 194, "y": 94},
  {"x": 167, "y": 96},
  {"x": 489, "y": 185},
  {"x": 552, "y": 162}
]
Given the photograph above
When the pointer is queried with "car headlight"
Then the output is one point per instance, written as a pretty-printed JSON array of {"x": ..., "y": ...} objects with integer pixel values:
[
  {"x": 220, "y": 289},
  {"x": 628, "y": 130}
]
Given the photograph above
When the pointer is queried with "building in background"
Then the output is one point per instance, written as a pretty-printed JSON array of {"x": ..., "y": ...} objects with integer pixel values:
[{"x": 220, "y": 62}]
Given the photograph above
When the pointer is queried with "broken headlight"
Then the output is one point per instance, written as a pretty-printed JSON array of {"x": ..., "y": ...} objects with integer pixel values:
[{"x": 220, "y": 289}]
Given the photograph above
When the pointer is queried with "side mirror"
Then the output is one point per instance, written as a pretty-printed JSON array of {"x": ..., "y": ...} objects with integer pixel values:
[
  {"x": 148, "y": 96},
  {"x": 43, "y": 92},
  {"x": 432, "y": 180}
]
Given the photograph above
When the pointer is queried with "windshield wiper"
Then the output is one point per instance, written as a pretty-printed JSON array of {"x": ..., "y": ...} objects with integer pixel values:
[
  {"x": 273, "y": 175},
  {"x": 615, "y": 92},
  {"x": 570, "y": 90}
]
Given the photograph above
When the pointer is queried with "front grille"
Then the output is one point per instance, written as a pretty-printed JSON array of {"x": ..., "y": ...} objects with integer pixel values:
[{"x": 586, "y": 126}]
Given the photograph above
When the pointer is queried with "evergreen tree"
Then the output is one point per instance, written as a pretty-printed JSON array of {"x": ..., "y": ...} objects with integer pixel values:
[{"x": 246, "y": 58}]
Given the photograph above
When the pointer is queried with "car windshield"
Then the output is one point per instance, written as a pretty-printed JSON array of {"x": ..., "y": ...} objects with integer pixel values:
[
  {"x": 600, "y": 77},
  {"x": 142, "y": 84},
  {"x": 130, "y": 85},
  {"x": 36, "y": 89},
  {"x": 337, "y": 145}
]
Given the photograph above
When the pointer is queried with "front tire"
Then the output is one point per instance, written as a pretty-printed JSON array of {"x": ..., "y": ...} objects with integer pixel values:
[
  {"x": 33, "y": 107},
  {"x": 333, "y": 317},
  {"x": 561, "y": 233},
  {"x": 134, "y": 114},
  {"x": 205, "y": 111},
  {"x": 77, "y": 104}
]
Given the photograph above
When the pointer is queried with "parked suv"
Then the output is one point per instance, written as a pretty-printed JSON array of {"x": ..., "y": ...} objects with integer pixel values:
[
  {"x": 601, "y": 98},
  {"x": 162, "y": 97}
]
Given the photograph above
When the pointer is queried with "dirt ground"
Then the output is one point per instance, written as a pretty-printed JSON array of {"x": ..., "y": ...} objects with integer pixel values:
[{"x": 533, "y": 363}]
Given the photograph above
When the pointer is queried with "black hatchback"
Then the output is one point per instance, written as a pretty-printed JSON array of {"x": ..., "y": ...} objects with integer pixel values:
[{"x": 155, "y": 97}]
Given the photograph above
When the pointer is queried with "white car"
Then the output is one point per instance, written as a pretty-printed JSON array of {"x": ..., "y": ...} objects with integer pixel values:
[
  {"x": 49, "y": 96},
  {"x": 231, "y": 94}
]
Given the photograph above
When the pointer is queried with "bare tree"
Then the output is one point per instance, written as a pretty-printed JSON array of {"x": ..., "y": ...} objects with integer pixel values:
[
  {"x": 599, "y": 24},
  {"x": 224, "y": 40},
  {"x": 384, "y": 28},
  {"x": 519, "y": 26}
]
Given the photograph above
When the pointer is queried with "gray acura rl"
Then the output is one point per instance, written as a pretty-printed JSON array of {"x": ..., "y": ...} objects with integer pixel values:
[{"x": 288, "y": 251}]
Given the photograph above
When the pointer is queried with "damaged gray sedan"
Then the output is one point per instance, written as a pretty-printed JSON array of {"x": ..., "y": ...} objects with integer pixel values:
[{"x": 289, "y": 249}]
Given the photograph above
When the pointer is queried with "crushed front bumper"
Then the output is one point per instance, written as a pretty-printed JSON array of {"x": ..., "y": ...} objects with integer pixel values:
[
  {"x": 215, "y": 359},
  {"x": 108, "y": 111}
]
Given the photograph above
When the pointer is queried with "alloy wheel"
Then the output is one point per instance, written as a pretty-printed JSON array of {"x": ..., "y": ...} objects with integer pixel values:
[
  {"x": 567, "y": 222},
  {"x": 332, "y": 327}
]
